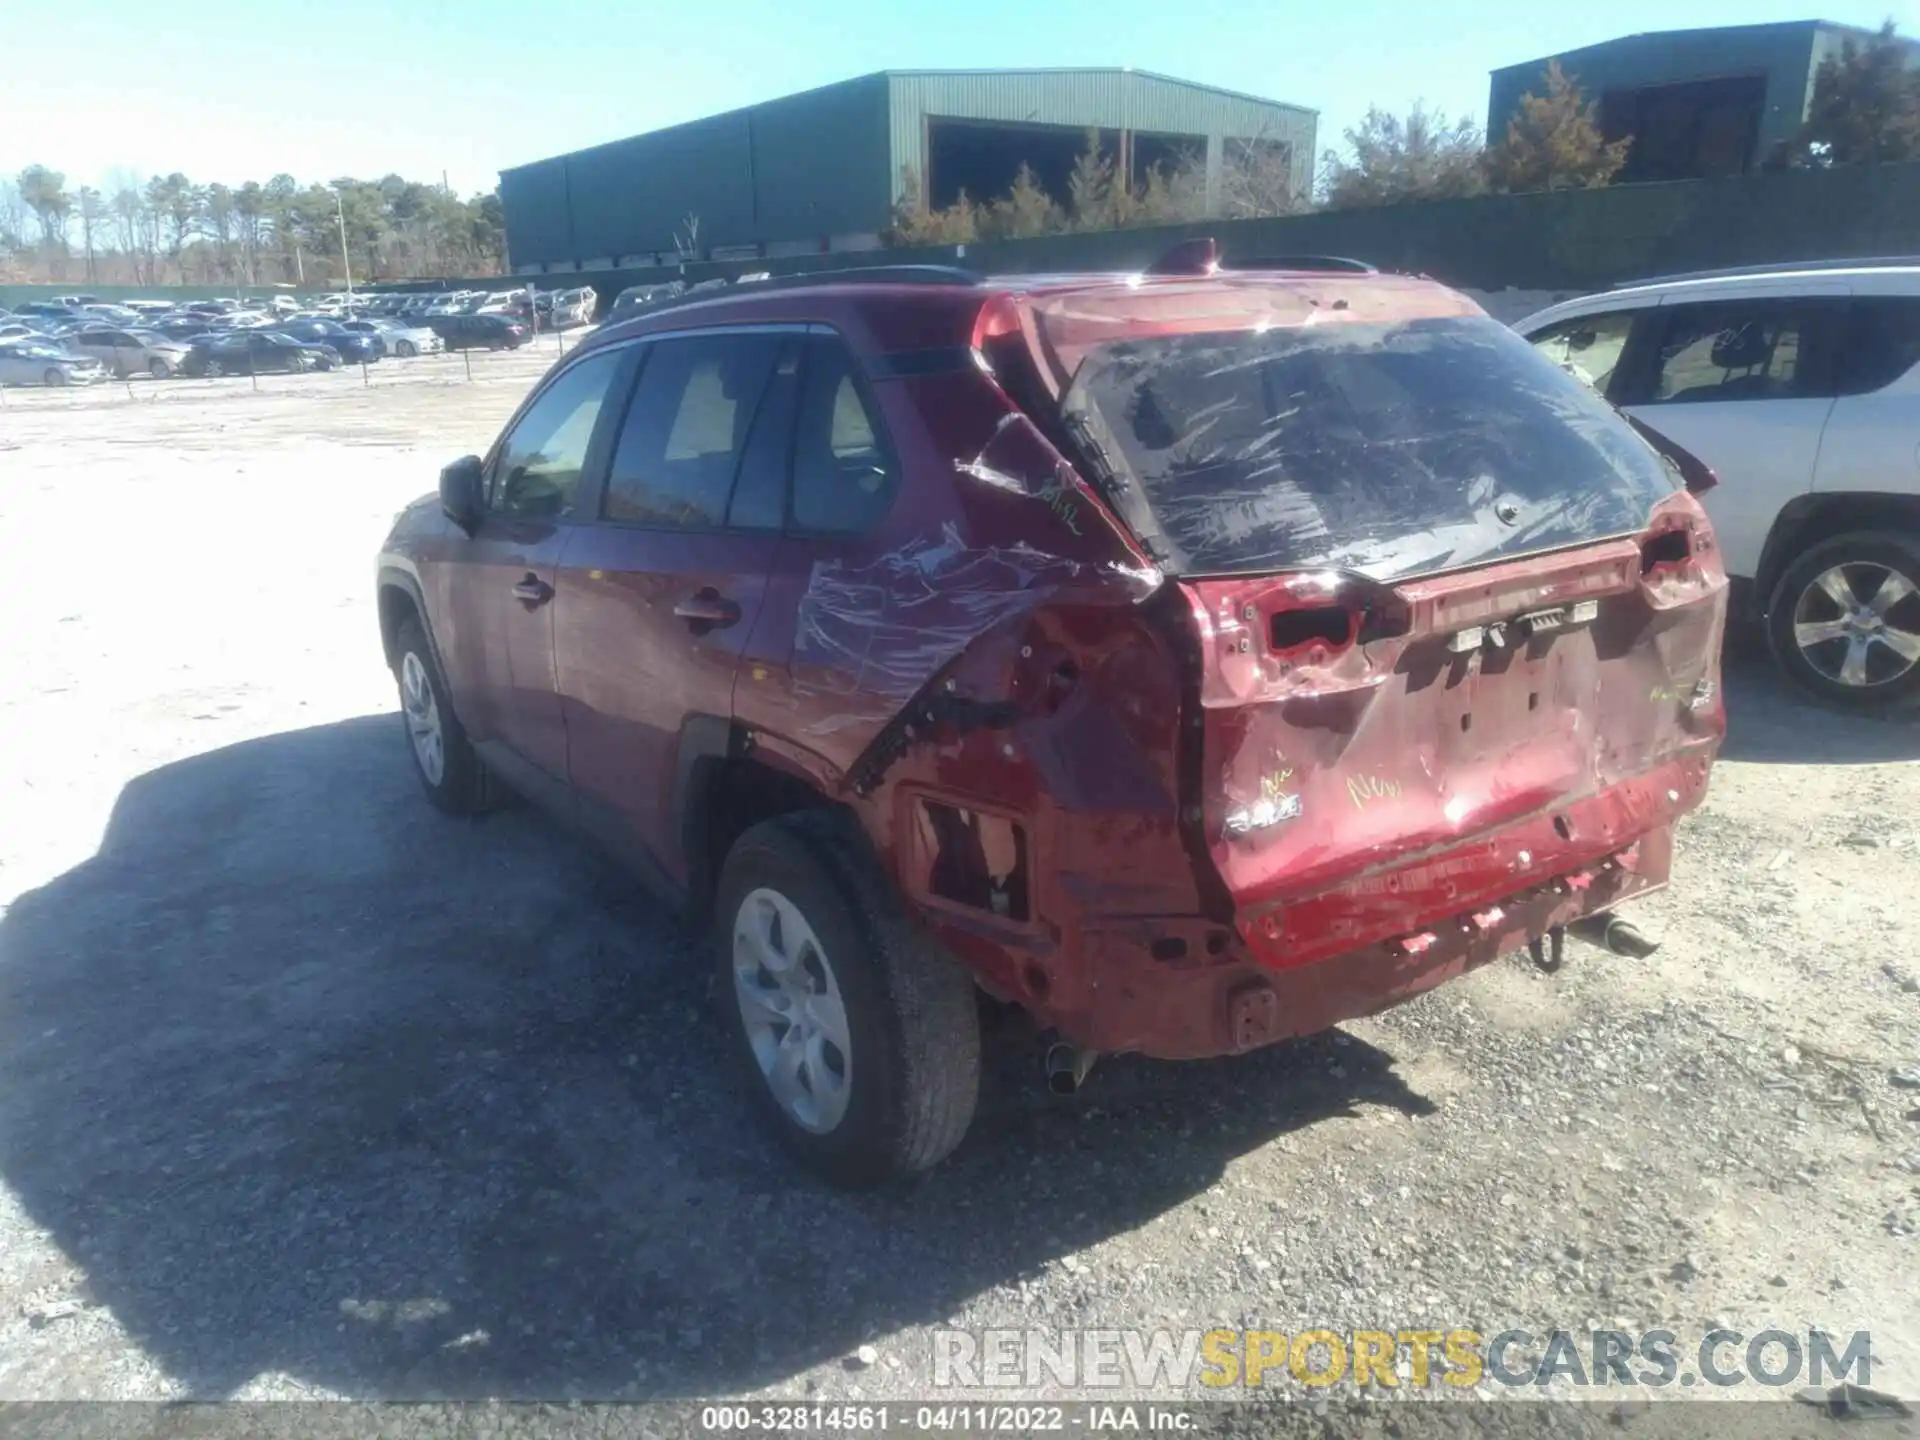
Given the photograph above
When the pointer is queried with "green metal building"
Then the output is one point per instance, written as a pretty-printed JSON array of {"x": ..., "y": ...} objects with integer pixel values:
[
  {"x": 822, "y": 170},
  {"x": 1695, "y": 103}
]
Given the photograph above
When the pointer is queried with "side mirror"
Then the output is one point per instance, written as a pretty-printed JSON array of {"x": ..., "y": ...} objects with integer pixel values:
[{"x": 463, "y": 492}]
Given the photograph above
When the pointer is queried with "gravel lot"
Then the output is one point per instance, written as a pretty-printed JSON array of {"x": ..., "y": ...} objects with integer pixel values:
[{"x": 305, "y": 1090}]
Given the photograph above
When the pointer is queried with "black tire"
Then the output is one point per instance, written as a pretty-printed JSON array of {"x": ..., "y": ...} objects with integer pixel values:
[
  {"x": 406, "y": 350},
  {"x": 464, "y": 786},
  {"x": 1857, "y": 669},
  {"x": 213, "y": 370},
  {"x": 55, "y": 376},
  {"x": 912, "y": 1024},
  {"x": 159, "y": 369}
]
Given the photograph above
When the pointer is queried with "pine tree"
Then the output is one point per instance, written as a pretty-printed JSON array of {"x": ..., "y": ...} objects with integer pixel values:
[
  {"x": 1024, "y": 211},
  {"x": 1866, "y": 105},
  {"x": 1554, "y": 142},
  {"x": 1090, "y": 187}
]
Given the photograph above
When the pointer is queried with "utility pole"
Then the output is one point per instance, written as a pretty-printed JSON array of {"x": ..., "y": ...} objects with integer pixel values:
[{"x": 340, "y": 207}]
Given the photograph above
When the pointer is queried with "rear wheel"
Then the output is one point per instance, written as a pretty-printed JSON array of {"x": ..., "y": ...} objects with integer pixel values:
[
  {"x": 453, "y": 776},
  {"x": 214, "y": 370},
  {"x": 1844, "y": 621},
  {"x": 859, "y": 1035}
]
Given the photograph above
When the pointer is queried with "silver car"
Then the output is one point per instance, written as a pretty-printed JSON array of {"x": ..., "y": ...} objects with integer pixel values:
[
  {"x": 400, "y": 338},
  {"x": 131, "y": 352},
  {"x": 36, "y": 362}
]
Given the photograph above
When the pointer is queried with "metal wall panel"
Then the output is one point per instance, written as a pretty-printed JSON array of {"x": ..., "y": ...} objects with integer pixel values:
[
  {"x": 533, "y": 201},
  {"x": 827, "y": 162},
  {"x": 1782, "y": 53},
  {"x": 1107, "y": 99}
]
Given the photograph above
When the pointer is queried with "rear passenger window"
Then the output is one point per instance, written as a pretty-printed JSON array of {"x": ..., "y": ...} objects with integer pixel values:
[
  {"x": 842, "y": 472},
  {"x": 686, "y": 429},
  {"x": 1588, "y": 347},
  {"x": 1882, "y": 344},
  {"x": 760, "y": 488},
  {"x": 1741, "y": 350},
  {"x": 542, "y": 456}
]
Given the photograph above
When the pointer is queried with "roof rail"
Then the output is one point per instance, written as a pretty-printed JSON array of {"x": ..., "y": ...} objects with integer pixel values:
[
  {"x": 806, "y": 279},
  {"x": 1337, "y": 263},
  {"x": 1734, "y": 272},
  {"x": 869, "y": 275}
]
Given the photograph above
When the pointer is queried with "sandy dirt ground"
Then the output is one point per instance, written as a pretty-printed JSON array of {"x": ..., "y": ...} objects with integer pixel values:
[{"x": 308, "y": 1091}]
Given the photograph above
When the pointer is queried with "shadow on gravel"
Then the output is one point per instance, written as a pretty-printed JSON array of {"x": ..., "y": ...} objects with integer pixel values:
[
  {"x": 311, "y": 1080},
  {"x": 1771, "y": 722}
]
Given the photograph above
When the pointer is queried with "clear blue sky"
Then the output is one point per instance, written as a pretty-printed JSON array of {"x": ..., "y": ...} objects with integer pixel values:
[{"x": 223, "y": 90}]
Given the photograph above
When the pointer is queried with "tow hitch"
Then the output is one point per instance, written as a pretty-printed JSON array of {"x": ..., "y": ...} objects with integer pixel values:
[
  {"x": 1605, "y": 929},
  {"x": 1549, "y": 952}
]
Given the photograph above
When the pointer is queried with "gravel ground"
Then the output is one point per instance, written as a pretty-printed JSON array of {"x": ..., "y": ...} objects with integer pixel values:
[{"x": 308, "y": 1091}]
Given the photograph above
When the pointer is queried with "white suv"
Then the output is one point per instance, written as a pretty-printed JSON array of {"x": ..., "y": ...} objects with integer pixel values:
[{"x": 1800, "y": 387}]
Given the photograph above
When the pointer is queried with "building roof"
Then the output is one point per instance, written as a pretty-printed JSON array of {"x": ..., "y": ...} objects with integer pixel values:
[
  {"x": 1695, "y": 32},
  {"x": 880, "y": 77},
  {"x": 1044, "y": 70}
]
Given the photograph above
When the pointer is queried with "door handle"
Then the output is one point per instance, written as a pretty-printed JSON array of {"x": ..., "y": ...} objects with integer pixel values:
[
  {"x": 707, "y": 607},
  {"x": 533, "y": 590}
]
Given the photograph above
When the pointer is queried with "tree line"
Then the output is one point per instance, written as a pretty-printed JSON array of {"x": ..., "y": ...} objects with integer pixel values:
[
  {"x": 1865, "y": 109},
  {"x": 169, "y": 230}
]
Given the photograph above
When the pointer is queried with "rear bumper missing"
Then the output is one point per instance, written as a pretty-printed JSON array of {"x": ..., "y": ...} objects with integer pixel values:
[{"x": 1224, "y": 1003}]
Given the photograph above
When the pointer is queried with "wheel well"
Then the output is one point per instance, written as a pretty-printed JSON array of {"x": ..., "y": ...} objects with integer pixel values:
[
  {"x": 1808, "y": 519},
  {"x": 726, "y": 798},
  {"x": 396, "y": 608}
]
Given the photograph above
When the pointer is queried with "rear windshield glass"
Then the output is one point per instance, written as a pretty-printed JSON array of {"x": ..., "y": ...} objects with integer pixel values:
[{"x": 1389, "y": 449}]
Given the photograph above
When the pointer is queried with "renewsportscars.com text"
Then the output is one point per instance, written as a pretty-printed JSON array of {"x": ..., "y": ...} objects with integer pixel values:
[{"x": 1227, "y": 1360}]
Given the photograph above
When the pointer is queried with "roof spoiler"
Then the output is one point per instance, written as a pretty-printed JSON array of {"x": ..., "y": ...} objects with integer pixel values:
[{"x": 1201, "y": 256}]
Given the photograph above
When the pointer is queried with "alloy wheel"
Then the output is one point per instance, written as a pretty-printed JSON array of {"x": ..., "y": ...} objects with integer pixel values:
[
  {"x": 1858, "y": 624},
  {"x": 423, "y": 719},
  {"x": 793, "y": 1011}
]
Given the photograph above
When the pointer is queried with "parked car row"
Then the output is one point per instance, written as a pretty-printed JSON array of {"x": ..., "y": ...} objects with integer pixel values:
[{"x": 78, "y": 341}]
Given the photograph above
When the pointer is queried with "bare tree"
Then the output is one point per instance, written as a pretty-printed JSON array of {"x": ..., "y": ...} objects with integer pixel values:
[
  {"x": 91, "y": 213},
  {"x": 686, "y": 239},
  {"x": 1426, "y": 156},
  {"x": 1256, "y": 178}
]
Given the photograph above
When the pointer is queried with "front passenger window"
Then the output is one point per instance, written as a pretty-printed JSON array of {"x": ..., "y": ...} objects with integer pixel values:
[
  {"x": 538, "y": 470},
  {"x": 1587, "y": 347}
]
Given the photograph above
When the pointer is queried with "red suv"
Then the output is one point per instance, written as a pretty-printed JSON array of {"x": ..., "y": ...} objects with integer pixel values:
[{"x": 1196, "y": 658}]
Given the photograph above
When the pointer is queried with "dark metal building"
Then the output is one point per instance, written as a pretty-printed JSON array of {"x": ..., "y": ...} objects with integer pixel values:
[
  {"x": 1694, "y": 102},
  {"x": 822, "y": 170}
]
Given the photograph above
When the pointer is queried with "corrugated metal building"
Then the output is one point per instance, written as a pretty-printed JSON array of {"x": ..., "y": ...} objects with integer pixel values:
[
  {"x": 822, "y": 170},
  {"x": 1695, "y": 102}
]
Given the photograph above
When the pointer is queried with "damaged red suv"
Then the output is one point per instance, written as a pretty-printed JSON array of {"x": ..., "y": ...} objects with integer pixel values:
[{"x": 1196, "y": 658}]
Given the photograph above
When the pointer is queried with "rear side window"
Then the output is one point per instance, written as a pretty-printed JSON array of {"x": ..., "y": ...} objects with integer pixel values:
[
  {"x": 1739, "y": 350},
  {"x": 1389, "y": 449},
  {"x": 842, "y": 471},
  {"x": 541, "y": 458},
  {"x": 686, "y": 428},
  {"x": 1882, "y": 342},
  {"x": 1588, "y": 347}
]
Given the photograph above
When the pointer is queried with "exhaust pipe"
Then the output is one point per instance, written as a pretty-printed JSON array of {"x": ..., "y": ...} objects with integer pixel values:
[
  {"x": 1067, "y": 1067},
  {"x": 1610, "y": 932}
]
